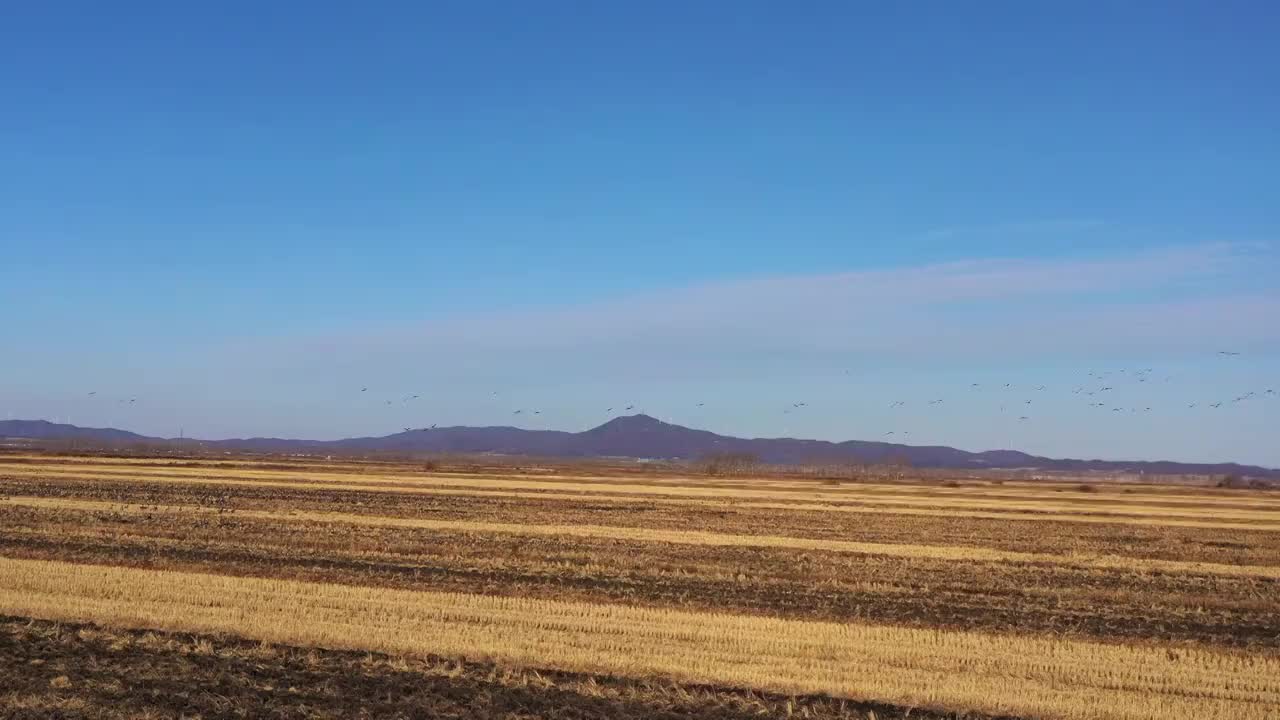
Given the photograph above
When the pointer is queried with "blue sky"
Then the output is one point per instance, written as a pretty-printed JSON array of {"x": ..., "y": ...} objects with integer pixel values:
[{"x": 242, "y": 214}]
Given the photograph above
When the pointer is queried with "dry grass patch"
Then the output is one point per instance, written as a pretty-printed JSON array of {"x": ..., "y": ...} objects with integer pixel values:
[
  {"x": 939, "y": 669},
  {"x": 1263, "y": 521},
  {"x": 698, "y": 537}
]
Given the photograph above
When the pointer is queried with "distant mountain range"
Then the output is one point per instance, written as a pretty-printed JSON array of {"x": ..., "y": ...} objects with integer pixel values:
[{"x": 641, "y": 436}]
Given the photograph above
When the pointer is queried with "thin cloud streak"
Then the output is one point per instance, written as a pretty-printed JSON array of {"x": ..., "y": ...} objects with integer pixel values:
[{"x": 956, "y": 310}]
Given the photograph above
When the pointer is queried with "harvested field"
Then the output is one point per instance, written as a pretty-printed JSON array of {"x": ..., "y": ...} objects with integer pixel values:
[
  {"x": 676, "y": 595},
  {"x": 55, "y": 669},
  {"x": 806, "y": 499}
]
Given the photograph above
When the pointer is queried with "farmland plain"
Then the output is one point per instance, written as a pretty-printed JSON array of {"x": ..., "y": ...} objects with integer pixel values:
[{"x": 301, "y": 588}]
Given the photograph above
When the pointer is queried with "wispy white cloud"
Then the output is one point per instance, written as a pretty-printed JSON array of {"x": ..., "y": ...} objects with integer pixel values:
[
  {"x": 961, "y": 310},
  {"x": 1020, "y": 228}
]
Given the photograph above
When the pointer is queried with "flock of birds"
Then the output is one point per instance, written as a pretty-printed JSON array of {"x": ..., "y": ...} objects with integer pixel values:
[{"x": 1099, "y": 385}]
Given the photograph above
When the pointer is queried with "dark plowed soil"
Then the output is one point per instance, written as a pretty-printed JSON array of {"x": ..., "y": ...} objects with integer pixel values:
[
  {"x": 1109, "y": 605},
  {"x": 1242, "y": 547},
  {"x": 52, "y": 671}
]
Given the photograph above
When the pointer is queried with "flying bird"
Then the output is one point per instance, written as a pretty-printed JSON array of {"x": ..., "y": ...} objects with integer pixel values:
[
  {"x": 1216, "y": 405},
  {"x": 517, "y": 412},
  {"x": 364, "y": 389},
  {"x": 629, "y": 407},
  {"x": 1227, "y": 353},
  {"x": 95, "y": 392},
  {"x": 1024, "y": 417},
  {"x": 701, "y": 404}
]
